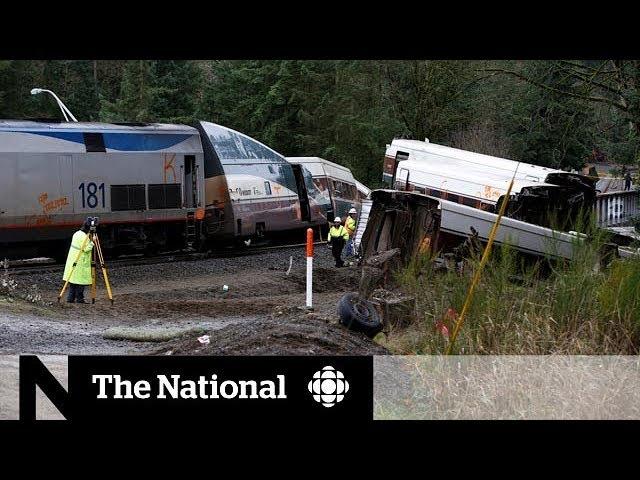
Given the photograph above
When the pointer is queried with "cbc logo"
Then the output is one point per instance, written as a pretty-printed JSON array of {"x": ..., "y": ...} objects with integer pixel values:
[{"x": 328, "y": 386}]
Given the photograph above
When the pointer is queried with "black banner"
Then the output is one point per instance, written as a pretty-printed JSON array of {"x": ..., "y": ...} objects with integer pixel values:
[{"x": 230, "y": 389}]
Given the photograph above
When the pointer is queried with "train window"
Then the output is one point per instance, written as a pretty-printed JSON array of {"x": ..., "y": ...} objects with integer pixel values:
[
  {"x": 453, "y": 198},
  {"x": 337, "y": 189},
  {"x": 128, "y": 197},
  {"x": 348, "y": 190},
  {"x": 321, "y": 185},
  {"x": 267, "y": 188},
  {"x": 435, "y": 193},
  {"x": 165, "y": 195},
  {"x": 94, "y": 142},
  {"x": 420, "y": 189}
]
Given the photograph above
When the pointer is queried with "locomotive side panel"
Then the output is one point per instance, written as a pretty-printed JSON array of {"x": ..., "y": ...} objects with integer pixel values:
[{"x": 141, "y": 185}]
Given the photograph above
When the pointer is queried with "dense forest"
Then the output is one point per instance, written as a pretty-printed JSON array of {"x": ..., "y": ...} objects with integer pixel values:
[{"x": 554, "y": 113}]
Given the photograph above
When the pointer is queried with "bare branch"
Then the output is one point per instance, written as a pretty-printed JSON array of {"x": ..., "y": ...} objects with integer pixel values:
[
  {"x": 591, "y": 81},
  {"x": 591, "y": 98},
  {"x": 587, "y": 67}
]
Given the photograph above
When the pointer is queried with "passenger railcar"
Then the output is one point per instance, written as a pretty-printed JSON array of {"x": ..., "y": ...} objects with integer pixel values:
[
  {"x": 364, "y": 192},
  {"x": 335, "y": 182},
  {"x": 540, "y": 195}
]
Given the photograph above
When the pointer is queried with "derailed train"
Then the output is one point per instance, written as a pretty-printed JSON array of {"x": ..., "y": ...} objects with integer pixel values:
[
  {"x": 153, "y": 186},
  {"x": 541, "y": 196}
]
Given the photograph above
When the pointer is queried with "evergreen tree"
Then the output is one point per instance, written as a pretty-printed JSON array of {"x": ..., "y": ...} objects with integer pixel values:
[
  {"x": 548, "y": 113},
  {"x": 134, "y": 101},
  {"x": 175, "y": 90},
  {"x": 548, "y": 128}
]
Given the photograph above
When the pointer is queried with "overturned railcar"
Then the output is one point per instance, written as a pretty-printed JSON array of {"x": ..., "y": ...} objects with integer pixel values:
[
  {"x": 416, "y": 223},
  {"x": 541, "y": 195}
]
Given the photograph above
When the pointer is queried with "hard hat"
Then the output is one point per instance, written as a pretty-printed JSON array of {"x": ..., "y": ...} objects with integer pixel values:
[
  {"x": 353, "y": 210},
  {"x": 337, "y": 220}
]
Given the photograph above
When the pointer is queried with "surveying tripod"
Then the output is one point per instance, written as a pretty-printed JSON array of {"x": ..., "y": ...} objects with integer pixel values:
[{"x": 96, "y": 256}]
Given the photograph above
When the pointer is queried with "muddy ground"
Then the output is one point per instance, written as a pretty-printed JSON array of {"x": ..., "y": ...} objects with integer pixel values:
[{"x": 258, "y": 315}]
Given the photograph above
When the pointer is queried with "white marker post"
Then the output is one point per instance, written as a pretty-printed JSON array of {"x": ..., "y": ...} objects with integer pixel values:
[{"x": 309, "y": 268}]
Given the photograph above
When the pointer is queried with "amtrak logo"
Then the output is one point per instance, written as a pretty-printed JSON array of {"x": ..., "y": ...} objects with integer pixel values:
[{"x": 328, "y": 386}]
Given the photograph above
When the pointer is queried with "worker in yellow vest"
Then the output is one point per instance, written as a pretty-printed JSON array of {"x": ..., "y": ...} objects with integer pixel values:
[
  {"x": 338, "y": 235},
  {"x": 350, "y": 225},
  {"x": 81, "y": 276}
]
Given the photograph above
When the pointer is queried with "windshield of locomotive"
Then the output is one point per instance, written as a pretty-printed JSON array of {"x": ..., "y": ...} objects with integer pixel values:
[{"x": 234, "y": 147}]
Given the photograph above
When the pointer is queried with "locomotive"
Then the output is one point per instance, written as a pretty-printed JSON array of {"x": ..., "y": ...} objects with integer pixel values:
[{"x": 155, "y": 187}]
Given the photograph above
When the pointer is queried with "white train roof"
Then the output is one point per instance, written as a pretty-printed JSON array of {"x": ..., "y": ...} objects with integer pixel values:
[
  {"x": 467, "y": 173},
  {"x": 320, "y": 167},
  {"x": 363, "y": 188},
  {"x": 23, "y": 136},
  {"x": 31, "y": 125},
  {"x": 419, "y": 150}
]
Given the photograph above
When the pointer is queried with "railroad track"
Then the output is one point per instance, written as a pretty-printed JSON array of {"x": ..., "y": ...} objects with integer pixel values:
[{"x": 22, "y": 268}]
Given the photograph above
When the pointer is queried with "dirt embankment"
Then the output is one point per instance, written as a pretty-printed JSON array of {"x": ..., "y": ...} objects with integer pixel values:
[
  {"x": 301, "y": 334},
  {"x": 257, "y": 315}
]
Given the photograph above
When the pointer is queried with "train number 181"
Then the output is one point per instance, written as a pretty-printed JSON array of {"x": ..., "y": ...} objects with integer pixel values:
[{"x": 90, "y": 194}]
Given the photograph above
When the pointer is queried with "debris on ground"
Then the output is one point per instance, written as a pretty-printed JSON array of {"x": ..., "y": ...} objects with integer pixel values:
[
  {"x": 396, "y": 309},
  {"x": 377, "y": 270},
  {"x": 301, "y": 335},
  {"x": 148, "y": 335},
  {"x": 359, "y": 315}
]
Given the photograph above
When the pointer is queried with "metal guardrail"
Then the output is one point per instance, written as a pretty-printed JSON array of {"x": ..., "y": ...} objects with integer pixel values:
[{"x": 617, "y": 208}]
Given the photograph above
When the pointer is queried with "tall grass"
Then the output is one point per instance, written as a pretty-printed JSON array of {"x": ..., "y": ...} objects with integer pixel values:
[{"x": 544, "y": 307}]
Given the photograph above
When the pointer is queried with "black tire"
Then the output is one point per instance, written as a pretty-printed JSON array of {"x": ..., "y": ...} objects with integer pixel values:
[{"x": 359, "y": 315}]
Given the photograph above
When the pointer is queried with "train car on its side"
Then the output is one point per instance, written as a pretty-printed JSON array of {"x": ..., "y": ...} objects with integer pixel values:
[
  {"x": 335, "y": 182},
  {"x": 142, "y": 181},
  {"x": 540, "y": 195}
]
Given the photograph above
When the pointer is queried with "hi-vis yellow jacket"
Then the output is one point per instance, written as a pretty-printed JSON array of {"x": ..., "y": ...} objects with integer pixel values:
[
  {"x": 338, "y": 232},
  {"x": 350, "y": 223},
  {"x": 82, "y": 272}
]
